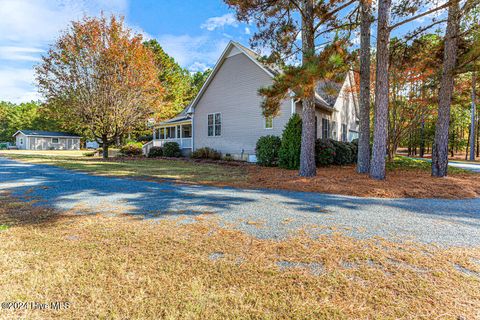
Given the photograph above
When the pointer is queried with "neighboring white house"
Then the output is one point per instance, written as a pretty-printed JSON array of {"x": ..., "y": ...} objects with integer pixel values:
[
  {"x": 226, "y": 114},
  {"x": 45, "y": 140}
]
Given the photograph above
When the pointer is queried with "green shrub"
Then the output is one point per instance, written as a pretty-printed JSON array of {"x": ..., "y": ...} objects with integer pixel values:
[
  {"x": 324, "y": 152},
  {"x": 131, "y": 149},
  {"x": 267, "y": 150},
  {"x": 289, "y": 152},
  {"x": 100, "y": 151},
  {"x": 206, "y": 153},
  {"x": 228, "y": 157},
  {"x": 354, "y": 147},
  {"x": 343, "y": 153},
  {"x": 3, "y": 146},
  {"x": 171, "y": 150},
  {"x": 89, "y": 154},
  {"x": 155, "y": 152}
]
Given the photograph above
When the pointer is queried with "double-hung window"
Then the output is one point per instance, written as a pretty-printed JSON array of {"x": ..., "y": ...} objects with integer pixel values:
[
  {"x": 344, "y": 132},
  {"x": 214, "y": 124},
  {"x": 54, "y": 140},
  {"x": 170, "y": 133},
  {"x": 325, "y": 128}
]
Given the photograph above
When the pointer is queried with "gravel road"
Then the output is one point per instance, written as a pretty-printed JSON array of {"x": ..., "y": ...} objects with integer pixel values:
[{"x": 262, "y": 213}]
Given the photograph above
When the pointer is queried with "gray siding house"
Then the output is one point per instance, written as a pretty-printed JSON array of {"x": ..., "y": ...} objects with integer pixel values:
[
  {"x": 46, "y": 140},
  {"x": 226, "y": 114}
]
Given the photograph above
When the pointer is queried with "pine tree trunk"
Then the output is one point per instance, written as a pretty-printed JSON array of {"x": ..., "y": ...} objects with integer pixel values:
[
  {"x": 440, "y": 147},
  {"x": 363, "y": 161},
  {"x": 377, "y": 165},
  {"x": 478, "y": 137},
  {"x": 307, "y": 153},
  {"x": 472, "y": 122},
  {"x": 422, "y": 137}
]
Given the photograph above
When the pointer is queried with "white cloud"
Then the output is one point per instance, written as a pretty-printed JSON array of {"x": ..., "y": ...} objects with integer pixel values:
[
  {"x": 191, "y": 51},
  {"x": 197, "y": 66},
  {"x": 16, "y": 85},
  {"x": 28, "y": 27},
  {"x": 20, "y": 53},
  {"x": 247, "y": 30},
  {"x": 219, "y": 22}
]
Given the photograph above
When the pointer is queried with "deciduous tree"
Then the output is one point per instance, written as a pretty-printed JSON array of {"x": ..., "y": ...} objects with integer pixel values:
[{"x": 101, "y": 78}]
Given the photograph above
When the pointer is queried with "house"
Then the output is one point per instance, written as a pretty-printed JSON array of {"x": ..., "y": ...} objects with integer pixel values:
[
  {"x": 45, "y": 140},
  {"x": 226, "y": 114}
]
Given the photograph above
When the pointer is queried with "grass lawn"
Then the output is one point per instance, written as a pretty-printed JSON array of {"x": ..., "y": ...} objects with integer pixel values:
[
  {"x": 406, "y": 178},
  {"x": 120, "y": 267},
  {"x": 178, "y": 170}
]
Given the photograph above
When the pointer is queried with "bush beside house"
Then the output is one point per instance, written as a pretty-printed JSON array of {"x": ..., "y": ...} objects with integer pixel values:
[
  {"x": 267, "y": 149},
  {"x": 327, "y": 151},
  {"x": 172, "y": 150},
  {"x": 289, "y": 152},
  {"x": 324, "y": 152},
  {"x": 155, "y": 152},
  {"x": 206, "y": 153}
]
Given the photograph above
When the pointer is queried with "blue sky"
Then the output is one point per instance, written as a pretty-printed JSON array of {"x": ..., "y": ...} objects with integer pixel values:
[{"x": 194, "y": 32}]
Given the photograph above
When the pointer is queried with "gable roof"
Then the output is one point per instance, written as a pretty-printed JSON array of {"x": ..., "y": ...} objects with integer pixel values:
[
  {"x": 249, "y": 53},
  {"x": 326, "y": 93},
  {"x": 38, "y": 133}
]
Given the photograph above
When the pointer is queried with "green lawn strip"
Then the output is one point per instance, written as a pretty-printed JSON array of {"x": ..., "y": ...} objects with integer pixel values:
[
  {"x": 161, "y": 169},
  {"x": 405, "y": 163}
]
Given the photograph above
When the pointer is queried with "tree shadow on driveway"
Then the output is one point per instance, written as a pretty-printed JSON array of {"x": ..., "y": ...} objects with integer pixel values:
[{"x": 431, "y": 220}]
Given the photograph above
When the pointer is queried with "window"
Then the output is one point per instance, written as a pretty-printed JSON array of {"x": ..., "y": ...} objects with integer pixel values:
[
  {"x": 268, "y": 122},
  {"x": 170, "y": 134},
  {"x": 21, "y": 141},
  {"x": 214, "y": 124},
  {"x": 344, "y": 132},
  {"x": 325, "y": 128},
  {"x": 161, "y": 133},
  {"x": 187, "y": 131},
  {"x": 54, "y": 140},
  {"x": 178, "y": 132},
  {"x": 352, "y": 135},
  {"x": 333, "y": 130},
  {"x": 316, "y": 127}
]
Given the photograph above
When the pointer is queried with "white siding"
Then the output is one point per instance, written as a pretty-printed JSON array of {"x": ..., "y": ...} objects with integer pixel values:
[
  {"x": 45, "y": 143},
  {"x": 21, "y": 141},
  {"x": 233, "y": 92},
  {"x": 347, "y": 113}
]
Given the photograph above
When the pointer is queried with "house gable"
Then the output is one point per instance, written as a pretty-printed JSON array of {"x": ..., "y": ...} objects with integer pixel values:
[
  {"x": 232, "y": 94},
  {"x": 231, "y": 50}
]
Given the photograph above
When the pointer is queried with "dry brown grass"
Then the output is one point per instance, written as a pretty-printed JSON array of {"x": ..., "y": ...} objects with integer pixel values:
[{"x": 121, "y": 267}]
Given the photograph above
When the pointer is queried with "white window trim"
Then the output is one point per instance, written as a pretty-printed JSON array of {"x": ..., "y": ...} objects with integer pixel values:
[
  {"x": 265, "y": 123},
  {"x": 221, "y": 124}
]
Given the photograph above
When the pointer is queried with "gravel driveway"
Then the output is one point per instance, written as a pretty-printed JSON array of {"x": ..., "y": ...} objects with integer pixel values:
[{"x": 262, "y": 213}]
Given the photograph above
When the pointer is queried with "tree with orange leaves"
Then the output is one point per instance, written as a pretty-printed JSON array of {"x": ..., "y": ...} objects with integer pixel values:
[{"x": 99, "y": 79}]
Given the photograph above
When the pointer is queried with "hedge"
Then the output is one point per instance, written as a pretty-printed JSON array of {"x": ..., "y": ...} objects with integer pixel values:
[{"x": 206, "y": 153}]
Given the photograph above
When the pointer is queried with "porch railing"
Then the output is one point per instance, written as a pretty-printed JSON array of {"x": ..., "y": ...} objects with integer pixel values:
[{"x": 184, "y": 143}]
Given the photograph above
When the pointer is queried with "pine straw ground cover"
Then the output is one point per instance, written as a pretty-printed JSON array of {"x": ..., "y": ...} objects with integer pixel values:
[{"x": 114, "y": 267}]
